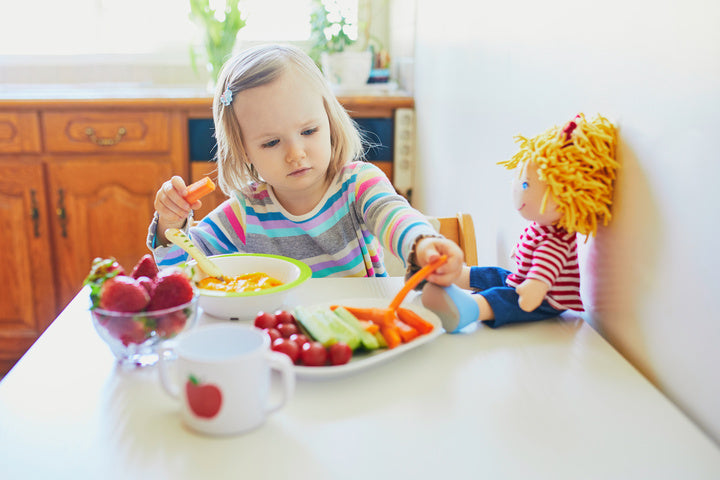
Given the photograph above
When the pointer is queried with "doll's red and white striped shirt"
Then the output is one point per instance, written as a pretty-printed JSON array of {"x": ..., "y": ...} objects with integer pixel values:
[{"x": 549, "y": 254}]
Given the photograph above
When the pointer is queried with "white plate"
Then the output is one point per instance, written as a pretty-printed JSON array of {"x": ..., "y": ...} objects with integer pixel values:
[{"x": 362, "y": 360}]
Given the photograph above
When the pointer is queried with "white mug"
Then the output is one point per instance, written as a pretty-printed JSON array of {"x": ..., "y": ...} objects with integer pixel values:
[{"x": 223, "y": 377}]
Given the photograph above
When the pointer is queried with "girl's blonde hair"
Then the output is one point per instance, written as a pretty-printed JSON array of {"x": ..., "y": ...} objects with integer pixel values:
[
  {"x": 577, "y": 161},
  {"x": 259, "y": 66}
]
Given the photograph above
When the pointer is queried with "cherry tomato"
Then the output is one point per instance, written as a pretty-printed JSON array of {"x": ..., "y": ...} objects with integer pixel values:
[
  {"x": 265, "y": 320},
  {"x": 300, "y": 339},
  {"x": 287, "y": 329},
  {"x": 339, "y": 353},
  {"x": 288, "y": 347},
  {"x": 313, "y": 354},
  {"x": 283, "y": 316},
  {"x": 273, "y": 332}
]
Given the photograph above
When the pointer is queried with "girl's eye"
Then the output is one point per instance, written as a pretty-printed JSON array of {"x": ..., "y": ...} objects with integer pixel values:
[
  {"x": 310, "y": 131},
  {"x": 270, "y": 144},
  {"x": 524, "y": 185}
]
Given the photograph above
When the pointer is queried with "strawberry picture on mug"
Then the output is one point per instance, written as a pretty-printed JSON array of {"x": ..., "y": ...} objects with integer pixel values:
[{"x": 204, "y": 399}]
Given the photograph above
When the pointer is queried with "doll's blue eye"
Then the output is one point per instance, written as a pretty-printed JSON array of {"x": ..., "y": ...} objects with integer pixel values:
[{"x": 524, "y": 185}]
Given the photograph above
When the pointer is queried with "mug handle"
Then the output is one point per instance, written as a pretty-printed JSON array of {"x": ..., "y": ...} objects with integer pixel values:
[
  {"x": 281, "y": 362},
  {"x": 165, "y": 350}
]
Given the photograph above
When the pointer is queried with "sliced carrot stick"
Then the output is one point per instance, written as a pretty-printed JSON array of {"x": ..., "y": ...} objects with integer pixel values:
[
  {"x": 391, "y": 336},
  {"x": 199, "y": 189},
  {"x": 369, "y": 326},
  {"x": 407, "y": 333},
  {"x": 380, "y": 316},
  {"x": 415, "y": 280},
  {"x": 415, "y": 320}
]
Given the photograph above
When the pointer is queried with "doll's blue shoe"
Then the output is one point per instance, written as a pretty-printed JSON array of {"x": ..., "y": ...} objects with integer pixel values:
[{"x": 455, "y": 307}]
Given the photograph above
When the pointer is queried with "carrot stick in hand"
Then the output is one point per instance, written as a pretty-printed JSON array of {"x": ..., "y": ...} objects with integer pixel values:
[
  {"x": 199, "y": 189},
  {"x": 415, "y": 280}
]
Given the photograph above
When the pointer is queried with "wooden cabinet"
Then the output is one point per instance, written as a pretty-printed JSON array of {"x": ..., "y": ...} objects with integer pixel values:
[
  {"x": 84, "y": 188},
  {"x": 28, "y": 286},
  {"x": 102, "y": 209}
]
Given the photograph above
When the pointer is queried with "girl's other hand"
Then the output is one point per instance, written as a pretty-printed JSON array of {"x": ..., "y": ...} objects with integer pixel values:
[
  {"x": 172, "y": 208},
  {"x": 430, "y": 248}
]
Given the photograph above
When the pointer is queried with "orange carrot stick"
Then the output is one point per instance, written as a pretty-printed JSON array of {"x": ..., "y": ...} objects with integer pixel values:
[
  {"x": 380, "y": 316},
  {"x": 369, "y": 326},
  {"x": 415, "y": 320},
  {"x": 415, "y": 280},
  {"x": 199, "y": 189},
  {"x": 407, "y": 333},
  {"x": 391, "y": 336}
]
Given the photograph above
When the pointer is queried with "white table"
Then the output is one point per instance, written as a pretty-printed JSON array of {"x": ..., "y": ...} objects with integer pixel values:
[{"x": 549, "y": 400}]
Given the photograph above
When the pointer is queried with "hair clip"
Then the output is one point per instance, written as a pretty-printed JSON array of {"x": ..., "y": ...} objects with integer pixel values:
[
  {"x": 569, "y": 129},
  {"x": 226, "y": 97}
]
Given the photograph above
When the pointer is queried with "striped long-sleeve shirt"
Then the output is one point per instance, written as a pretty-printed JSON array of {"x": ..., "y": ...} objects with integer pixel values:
[
  {"x": 339, "y": 237},
  {"x": 549, "y": 254}
]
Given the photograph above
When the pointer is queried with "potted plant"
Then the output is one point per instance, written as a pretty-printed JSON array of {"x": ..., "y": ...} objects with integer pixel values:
[
  {"x": 331, "y": 46},
  {"x": 220, "y": 29}
]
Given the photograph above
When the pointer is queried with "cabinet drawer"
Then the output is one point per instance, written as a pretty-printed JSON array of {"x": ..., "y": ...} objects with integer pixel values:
[
  {"x": 96, "y": 131},
  {"x": 19, "y": 133}
]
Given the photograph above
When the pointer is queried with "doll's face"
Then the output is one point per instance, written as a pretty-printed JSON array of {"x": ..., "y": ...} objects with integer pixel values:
[{"x": 528, "y": 191}]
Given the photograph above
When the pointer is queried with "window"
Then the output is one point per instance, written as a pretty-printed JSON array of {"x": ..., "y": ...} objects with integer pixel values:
[{"x": 139, "y": 27}]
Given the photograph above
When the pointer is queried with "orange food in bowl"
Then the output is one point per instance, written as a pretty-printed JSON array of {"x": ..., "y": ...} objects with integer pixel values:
[{"x": 250, "y": 282}]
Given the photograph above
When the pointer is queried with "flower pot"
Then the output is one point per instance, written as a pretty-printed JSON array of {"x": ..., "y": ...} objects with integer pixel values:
[{"x": 347, "y": 69}]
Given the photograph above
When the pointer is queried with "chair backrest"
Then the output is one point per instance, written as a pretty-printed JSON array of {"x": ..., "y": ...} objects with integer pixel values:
[{"x": 460, "y": 229}]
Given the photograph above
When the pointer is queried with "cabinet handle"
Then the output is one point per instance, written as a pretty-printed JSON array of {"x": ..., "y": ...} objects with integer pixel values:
[
  {"x": 34, "y": 213},
  {"x": 61, "y": 213},
  {"x": 105, "y": 142}
]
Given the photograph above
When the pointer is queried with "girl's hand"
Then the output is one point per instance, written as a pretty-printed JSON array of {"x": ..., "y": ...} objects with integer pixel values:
[
  {"x": 430, "y": 248},
  {"x": 172, "y": 208}
]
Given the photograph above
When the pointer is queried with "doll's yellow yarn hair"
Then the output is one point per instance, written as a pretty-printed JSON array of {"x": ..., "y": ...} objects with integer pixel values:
[{"x": 578, "y": 167}]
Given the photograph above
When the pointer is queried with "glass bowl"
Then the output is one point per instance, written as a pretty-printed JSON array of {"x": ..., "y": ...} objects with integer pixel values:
[{"x": 134, "y": 337}]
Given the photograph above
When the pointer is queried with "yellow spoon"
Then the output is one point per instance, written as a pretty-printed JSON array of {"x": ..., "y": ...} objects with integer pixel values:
[{"x": 179, "y": 238}]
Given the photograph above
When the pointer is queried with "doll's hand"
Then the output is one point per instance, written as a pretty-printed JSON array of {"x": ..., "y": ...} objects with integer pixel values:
[
  {"x": 531, "y": 293},
  {"x": 430, "y": 248}
]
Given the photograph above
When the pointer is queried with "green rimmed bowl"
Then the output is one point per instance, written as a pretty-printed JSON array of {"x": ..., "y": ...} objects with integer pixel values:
[{"x": 245, "y": 305}]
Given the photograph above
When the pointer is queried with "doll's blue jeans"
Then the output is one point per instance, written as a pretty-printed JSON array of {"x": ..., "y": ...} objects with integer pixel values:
[{"x": 491, "y": 284}]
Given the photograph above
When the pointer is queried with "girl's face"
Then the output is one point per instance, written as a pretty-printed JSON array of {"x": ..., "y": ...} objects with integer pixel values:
[
  {"x": 286, "y": 135},
  {"x": 527, "y": 192}
]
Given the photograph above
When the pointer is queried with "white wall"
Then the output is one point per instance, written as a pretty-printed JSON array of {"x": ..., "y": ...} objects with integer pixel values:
[{"x": 486, "y": 71}]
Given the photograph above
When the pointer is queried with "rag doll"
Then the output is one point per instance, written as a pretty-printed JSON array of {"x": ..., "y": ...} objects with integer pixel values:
[{"x": 563, "y": 187}]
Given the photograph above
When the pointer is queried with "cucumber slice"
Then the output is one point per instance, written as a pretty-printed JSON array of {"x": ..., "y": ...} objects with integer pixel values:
[
  {"x": 341, "y": 331},
  {"x": 315, "y": 326},
  {"x": 367, "y": 339}
]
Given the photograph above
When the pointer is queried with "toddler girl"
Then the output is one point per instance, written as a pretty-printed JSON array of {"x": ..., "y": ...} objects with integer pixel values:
[{"x": 288, "y": 160}]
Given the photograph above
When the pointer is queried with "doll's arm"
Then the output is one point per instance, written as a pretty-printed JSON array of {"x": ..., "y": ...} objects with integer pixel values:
[{"x": 531, "y": 293}]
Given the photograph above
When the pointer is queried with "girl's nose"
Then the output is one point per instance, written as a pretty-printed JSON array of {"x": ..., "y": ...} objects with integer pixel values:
[{"x": 295, "y": 152}]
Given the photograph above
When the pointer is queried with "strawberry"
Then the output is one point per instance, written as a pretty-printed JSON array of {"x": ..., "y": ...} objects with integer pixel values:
[
  {"x": 123, "y": 294},
  {"x": 170, "y": 324},
  {"x": 172, "y": 288},
  {"x": 102, "y": 269},
  {"x": 146, "y": 267},
  {"x": 147, "y": 283},
  {"x": 127, "y": 330}
]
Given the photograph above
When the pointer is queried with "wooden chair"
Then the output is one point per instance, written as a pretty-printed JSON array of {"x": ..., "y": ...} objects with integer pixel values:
[{"x": 459, "y": 229}]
